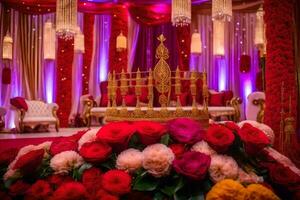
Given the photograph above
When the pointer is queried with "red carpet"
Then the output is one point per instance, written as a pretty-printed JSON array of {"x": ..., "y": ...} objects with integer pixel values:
[{"x": 19, "y": 143}]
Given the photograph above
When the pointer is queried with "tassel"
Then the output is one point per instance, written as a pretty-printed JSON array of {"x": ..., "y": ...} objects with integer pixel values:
[
  {"x": 6, "y": 75},
  {"x": 7, "y": 47},
  {"x": 245, "y": 63}
]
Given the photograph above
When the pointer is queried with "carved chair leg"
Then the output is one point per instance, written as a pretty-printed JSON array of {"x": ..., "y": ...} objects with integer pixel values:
[{"x": 57, "y": 126}]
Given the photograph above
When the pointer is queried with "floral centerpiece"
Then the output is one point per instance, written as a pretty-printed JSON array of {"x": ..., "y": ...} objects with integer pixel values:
[{"x": 178, "y": 160}]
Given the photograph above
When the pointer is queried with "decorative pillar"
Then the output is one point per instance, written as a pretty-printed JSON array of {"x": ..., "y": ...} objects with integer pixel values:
[
  {"x": 183, "y": 34},
  {"x": 65, "y": 54},
  {"x": 281, "y": 83},
  {"x": 88, "y": 31},
  {"x": 118, "y": 59}
]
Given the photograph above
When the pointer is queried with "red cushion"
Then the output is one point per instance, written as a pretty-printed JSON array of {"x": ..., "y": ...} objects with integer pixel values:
[
  {"x": 103, "y": 100},
  {"x": 144, "y": 95},
  {"x": 216, "y": 99},
  {"x": 227, "y": 96},
  {"x": 19, "y": 102},
  {"x": 103, "y": 87},
  {"x": 130, "y": 100}
]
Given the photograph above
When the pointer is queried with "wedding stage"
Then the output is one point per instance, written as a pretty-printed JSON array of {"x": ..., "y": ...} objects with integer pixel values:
[{"x": 149, "y": 100}]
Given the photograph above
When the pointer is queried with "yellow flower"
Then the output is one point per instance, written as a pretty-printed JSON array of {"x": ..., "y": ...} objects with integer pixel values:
[
  {"x": 259, "y": 192},
  {"x": 227, "y": 189}
]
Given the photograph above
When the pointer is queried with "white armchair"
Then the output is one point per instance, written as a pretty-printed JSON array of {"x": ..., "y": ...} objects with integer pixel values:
[
  {"x": 38, "y": 113},
  {"x": 255, "y": 106}
]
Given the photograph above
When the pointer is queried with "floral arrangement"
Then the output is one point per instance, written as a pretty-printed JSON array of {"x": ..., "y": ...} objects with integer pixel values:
[{"x": 148, "y": 160}]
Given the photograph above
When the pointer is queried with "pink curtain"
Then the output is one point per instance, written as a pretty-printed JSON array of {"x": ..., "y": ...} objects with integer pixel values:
[
  {"x": 223, "y": 73},
  {"x": 44, "y": 71}
]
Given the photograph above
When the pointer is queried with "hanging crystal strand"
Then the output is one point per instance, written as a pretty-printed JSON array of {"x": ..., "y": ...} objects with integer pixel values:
[
  {"x": 181, "y": 12},
  {"x": 66, "y": 18}
]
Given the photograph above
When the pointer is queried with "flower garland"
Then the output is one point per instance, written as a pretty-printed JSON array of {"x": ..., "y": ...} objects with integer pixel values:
[
  {"x": 118, "y": 60},
  {"x": 280, "y": 65},
  {"x": 65, "y": 54},
  {"x": 88, "y": 30}
]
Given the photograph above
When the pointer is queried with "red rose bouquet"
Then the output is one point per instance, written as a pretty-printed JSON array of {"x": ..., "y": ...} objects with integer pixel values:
[
  {"x": 102, "y": 194},
  {"x": 116, "y": 134},
  {"x": 253, "y": 138},
  {"x": 19, "y": 188},
  {"x": 149, "y": 132},
  {"x": 95, "y": 152},
  {"x": 29, "y": 162},
  {"x": 219, "y": 137},
  {"x": 61, "y": 145},
  {"x": 39, "y": 190},
  {"x": 91, "y": 179},
  {"x": 116, "y": 182},
  {"x": 192, "y": 164},
  {"x": 177, "y": 149},
  {"x": 70, "y": 191}
]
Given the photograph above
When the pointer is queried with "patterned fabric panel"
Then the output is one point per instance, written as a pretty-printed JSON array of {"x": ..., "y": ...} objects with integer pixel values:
[{"x": 38, "y": 109}]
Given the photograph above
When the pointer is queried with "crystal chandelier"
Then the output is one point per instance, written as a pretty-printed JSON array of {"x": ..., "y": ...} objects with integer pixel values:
[
  {"x": 66, "y": 18},
  {"x": 181, "y": 12},
  {"x": 222, "y": 10}
]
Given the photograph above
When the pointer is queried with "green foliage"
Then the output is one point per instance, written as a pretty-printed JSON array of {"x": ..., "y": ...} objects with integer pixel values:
[
  {"x": 145, "y": 182},
  {"x": 165, "y": 139}
]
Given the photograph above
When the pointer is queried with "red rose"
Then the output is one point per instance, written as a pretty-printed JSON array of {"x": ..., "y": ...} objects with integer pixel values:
[
  {"x": 19, "y": 188},
  {"x": 254, "y": 139},
  {"x": 283, "y": 176},
  {"x": 62, "y": 144},
  {"x": 116, "y": 182},
  {"x": 29, "y": 162},
  {"x": 70, "y": 191},
  {"x": 116, "y": 134},
  {"x": 232, "y": 126},
  {"x": 103, "y": 195},
  {"x": 192, "y": 164},
  {"x": 4, "y": 196},
  {"x": 56, "y": 180},
  {"x": 39, "y": 190},
  {"x": 95, "y": 152},
  {"x": 91, "y": 179},
  {"x": 77, "y": 136},
  {"x": 7, "y": 156},
  {"x": 149, "y": 132},
  {"x": 178, "y": 149},
  {"x": 219, "y": 137}
]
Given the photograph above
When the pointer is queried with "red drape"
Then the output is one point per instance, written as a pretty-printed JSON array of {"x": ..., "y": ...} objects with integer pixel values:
[
  {"x": 47, "y": 6},
  {"x": 88, "y": 31},
  {"x": 280, "y": 68},
  {"x": 65, "y": 54},
  {"x": 183, "y": 35},
  {"x": 150, "y": 14},
  {"x": 118, "y": 60}
]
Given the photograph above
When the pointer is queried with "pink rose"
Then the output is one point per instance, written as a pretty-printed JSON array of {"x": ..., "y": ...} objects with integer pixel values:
[
  {"x": 186, "y": 130},
  {"x": 192, "y": 164}
]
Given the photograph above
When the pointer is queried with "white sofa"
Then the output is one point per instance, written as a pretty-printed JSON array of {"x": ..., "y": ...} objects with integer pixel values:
[
  {"x": 255, "y": 106},
  {"x": 38, "y": 113}
]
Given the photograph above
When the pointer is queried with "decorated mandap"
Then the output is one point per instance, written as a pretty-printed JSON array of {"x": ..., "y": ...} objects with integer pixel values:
[{"x": 149, "y": 99}]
